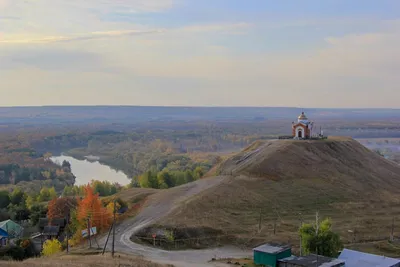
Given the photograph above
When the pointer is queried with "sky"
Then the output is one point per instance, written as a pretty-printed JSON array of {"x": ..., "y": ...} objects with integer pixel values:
[{"x": 309, "y": 53}]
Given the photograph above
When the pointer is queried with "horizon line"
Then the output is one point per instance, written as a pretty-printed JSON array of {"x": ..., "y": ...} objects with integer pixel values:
[{"x": 182, "y": 106}]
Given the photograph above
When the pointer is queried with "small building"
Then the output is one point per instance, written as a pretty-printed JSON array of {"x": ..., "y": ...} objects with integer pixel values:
[
  {"x": 13, "y": 229},
  {"x": 311, "y": 260},
  {"x": 303, "y": 128},
  {"x": 357, "y": 259},
  {"x": 50, "y": 232},
  {"x": 269, "y": 255},
  {"x": 3, "y": 237}
]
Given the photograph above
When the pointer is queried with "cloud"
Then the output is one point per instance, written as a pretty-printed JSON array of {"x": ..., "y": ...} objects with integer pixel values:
[
  {"x": 80, "y": 37},
  {"x": 125, "y": 6},
  {"x": 219, "y": 27},
  {"x": 233, "y": 28},
  {"x": 51, "y": 59}
]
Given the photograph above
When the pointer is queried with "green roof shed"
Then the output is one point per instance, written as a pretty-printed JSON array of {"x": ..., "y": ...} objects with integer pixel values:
[
  {"x": 268, "y": 255},
  {"x": 13, "y": 229}
]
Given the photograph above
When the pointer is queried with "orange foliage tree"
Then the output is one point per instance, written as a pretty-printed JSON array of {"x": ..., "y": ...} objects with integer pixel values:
[
  {"x": 90, "y": 207},
  {"x": 60, "y": 208}
]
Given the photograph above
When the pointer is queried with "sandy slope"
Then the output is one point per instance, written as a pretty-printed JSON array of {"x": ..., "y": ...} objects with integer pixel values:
[{"x": 160, "y": 205}]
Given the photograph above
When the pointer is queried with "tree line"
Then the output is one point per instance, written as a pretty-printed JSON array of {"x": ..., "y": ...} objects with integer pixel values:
[{"x": 166, "y": 179}]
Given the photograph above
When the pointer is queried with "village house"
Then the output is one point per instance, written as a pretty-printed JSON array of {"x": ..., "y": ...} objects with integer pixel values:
[{"x": 357, "y": 259}]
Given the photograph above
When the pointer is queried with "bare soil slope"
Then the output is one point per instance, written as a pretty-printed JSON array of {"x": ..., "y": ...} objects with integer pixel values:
[
  {"x": 274, "y": 185},
  {"x": 343, "y": 160}
]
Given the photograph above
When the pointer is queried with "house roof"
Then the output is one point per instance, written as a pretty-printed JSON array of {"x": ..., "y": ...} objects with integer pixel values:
[
  {"x": 12, "y": 228},
  {"x": 56, "y": 221},
  {"x": 311, "y": 260},
  {"x": 271, "y": 249},
  {"x": 356, "y": 259},
  {"x": 51, "y": 230}
]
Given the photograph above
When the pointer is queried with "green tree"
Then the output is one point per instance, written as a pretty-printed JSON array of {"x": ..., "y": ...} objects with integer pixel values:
[
  {"x": 37, "y": 211},
  {"x": 165, "y": 179},
  {"x": 148, "y": 180},
  {"x": 17, "y": 197},
  {"x": 198, "y": 172},
  {"x": 324, "y": 241},
  {"x": 179, "y": 178},
  {"x": 188, "y": 176},
  {"x": 30, "y": 201},
  {"x": 47, "y": 194},
  {"x": 4, "y": 199}
]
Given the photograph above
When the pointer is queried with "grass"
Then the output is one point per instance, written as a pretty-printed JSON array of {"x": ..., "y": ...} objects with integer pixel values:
[
  {"x": 85, "y": 261},
  {"x": 238, "y": 262}
]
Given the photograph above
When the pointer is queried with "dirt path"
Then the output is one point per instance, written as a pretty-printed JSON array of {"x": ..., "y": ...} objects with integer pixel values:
[{"x": 160, "y": 205}]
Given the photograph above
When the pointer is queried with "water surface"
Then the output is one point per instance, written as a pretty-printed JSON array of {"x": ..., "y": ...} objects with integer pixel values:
[{"x": 85, "y": 171}]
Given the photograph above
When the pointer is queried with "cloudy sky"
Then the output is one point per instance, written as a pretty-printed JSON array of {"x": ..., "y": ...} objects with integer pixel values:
[{"x": 309, "y": 53}]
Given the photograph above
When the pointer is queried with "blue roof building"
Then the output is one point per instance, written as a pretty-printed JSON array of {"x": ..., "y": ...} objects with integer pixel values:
[{"x": 359, "y": 259}]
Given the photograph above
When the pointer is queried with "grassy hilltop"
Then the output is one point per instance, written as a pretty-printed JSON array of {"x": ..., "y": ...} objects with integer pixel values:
[{"x": 278, "y": 184}]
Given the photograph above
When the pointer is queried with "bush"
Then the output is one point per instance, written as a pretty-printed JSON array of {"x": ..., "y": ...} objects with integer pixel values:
[
  {"x": 16, "y": 253},
  {"x": 51, "y": 247}
]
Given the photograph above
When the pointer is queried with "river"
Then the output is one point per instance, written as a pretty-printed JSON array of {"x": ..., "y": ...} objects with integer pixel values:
[{"x": 85, "y": 171}]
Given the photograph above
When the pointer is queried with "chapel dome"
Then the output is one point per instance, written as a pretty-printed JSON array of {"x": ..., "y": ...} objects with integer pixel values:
[{"x": 302, "y": 117}]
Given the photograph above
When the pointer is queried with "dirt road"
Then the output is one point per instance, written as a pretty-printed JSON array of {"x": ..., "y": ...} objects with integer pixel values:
[{"x": 159, "y": 205}]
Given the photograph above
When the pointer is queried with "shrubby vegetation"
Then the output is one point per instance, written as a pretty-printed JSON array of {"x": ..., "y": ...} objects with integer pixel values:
[
  {"x": 103, "y": 188},
  {"x": 51, "y": 247},
  {"x": 165, "y": 179},
  {"x": 323, "y": 242}
]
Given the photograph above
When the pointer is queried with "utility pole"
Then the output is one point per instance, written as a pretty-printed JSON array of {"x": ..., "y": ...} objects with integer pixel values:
[
  {"x": 88, "y": 229},
  {"x": 67, "y": 232},
  {"x": 316, "y": 232},
  {"x": 108, "y": 236},
  {"x": 301, "y": 237},
  {"x": 113, "y": 240}
]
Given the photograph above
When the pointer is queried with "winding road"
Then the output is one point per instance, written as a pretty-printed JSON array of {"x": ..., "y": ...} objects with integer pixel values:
[{"x": 159, "y": 205}]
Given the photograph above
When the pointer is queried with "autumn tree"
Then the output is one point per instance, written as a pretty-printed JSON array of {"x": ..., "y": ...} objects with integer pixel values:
[
  {"x": 61, "y": 207},
  {"x": 91, "y": 208}
]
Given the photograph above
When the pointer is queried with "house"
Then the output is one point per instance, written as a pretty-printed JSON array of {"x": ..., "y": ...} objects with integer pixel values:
[
  {"x": 12, "y": 228},
  {"x": 269, "y": 254},
  {"x": 53, "y": 229},
  {"x": 311, "y": 260},
  {"x": 3, "y": 237},
  {"x": 50, "y": 232},
  {"x": 356, "y": 259},
  {"x": 61, "y": 222}
]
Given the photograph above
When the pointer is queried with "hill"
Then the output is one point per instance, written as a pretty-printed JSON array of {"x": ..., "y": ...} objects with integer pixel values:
[{"x": 272, "y": 186}]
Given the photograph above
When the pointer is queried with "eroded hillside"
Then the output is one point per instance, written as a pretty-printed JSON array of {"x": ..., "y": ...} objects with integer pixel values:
[{"x": 274, "y": 185}]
